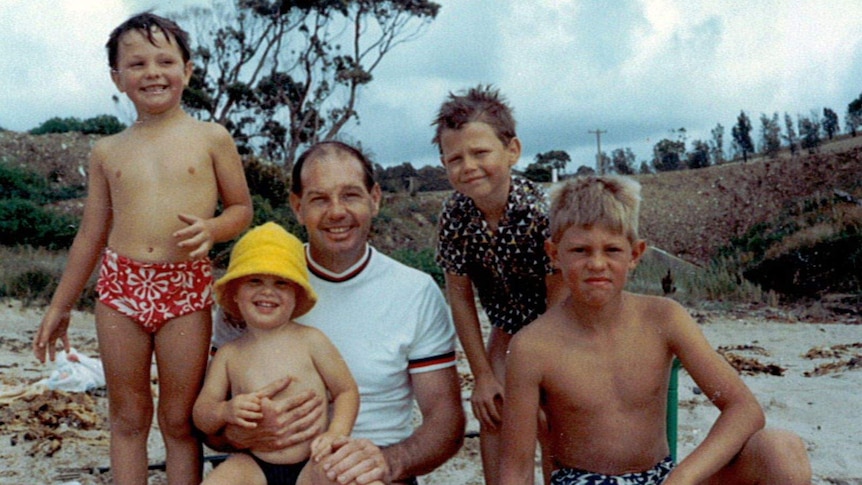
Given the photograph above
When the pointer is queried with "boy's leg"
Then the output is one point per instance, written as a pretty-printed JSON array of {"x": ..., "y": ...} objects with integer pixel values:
[
  {"x": 771, "y": 457},
  {"x": 238, "y": 468},
  {"x": 126, "y": 352},
  {"x": 182, "y": 349}
]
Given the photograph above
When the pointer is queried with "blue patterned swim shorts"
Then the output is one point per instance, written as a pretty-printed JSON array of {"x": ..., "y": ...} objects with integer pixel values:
[{"x": 654, "y": 476}]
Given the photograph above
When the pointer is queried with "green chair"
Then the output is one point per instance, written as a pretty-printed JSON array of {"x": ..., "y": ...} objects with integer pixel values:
[{"x": 673, "y": 407}]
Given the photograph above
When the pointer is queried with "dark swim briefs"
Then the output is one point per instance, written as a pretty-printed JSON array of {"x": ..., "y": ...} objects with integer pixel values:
[{"x": 654, "y": 476}]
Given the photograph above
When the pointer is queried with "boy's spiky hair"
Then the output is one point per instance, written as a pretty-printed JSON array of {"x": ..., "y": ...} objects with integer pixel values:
[
  {"x": 611, "y": 201},
  {"x": 482, "y": 103},
  {"x": 148, "y": 24}
]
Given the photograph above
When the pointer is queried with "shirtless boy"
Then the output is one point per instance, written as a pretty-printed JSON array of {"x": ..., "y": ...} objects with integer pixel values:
[
  {"x": 598, "y": 364},
  {"x": 150, "y": 217}
]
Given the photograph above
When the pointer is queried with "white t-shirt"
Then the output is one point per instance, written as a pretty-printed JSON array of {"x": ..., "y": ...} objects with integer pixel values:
[{"x": 388, "y": 321}]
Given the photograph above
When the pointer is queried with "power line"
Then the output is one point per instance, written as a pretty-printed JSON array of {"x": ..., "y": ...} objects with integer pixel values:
[{"x": 598, "y": 132}]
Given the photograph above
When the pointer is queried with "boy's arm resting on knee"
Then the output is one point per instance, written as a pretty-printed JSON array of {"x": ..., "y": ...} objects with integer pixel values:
[
  {"x": 441, "y": 433},
  {"x": 741, "y": 415},
  {"x": 519, "y": 415}
]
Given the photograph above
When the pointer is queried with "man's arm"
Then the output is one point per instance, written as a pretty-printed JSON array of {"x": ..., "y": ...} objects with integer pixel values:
[
  {"x": 441, "y": 434},
  {"x": 438, "y": 438}
]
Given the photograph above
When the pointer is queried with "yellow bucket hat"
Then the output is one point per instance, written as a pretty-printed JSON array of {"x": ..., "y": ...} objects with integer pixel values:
[{"x": 270, "y": 250}]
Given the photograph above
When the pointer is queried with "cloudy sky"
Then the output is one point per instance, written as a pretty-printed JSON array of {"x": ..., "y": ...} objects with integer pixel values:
[{"x": 634, "y": 69}]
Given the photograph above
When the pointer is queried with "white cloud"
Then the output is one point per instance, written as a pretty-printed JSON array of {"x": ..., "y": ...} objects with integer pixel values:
[{"x": 636, "y": 68}]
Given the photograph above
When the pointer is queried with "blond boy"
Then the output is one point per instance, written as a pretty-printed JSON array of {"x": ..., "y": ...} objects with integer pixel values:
[
  {"x": 150, "y": 216},
  {"x": 598, "y": 364},
  {"x": 266, "y": 286}
]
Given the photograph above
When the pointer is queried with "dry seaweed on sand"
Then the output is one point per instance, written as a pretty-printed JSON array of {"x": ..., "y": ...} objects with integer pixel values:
[{"x": 749, "y": 365}]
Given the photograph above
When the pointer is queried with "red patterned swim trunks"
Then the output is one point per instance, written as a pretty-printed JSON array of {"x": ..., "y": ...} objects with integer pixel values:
[{"x": 154, "y": 293}]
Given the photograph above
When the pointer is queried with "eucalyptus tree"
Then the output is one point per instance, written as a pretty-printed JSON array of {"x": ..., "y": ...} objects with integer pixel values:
[{"x": 283, "y": 74}]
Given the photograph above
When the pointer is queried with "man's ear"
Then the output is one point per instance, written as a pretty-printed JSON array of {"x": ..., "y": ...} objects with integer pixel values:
[
  {"x": 376, "y": 197},
  {"x": 296, "y": 205}
]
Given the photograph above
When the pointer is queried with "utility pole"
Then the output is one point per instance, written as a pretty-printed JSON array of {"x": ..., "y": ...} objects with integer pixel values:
[{"x": 598, "y": 132}]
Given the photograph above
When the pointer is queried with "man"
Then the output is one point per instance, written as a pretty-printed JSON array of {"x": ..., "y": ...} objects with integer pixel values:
[{"x": 390, "y": 323}]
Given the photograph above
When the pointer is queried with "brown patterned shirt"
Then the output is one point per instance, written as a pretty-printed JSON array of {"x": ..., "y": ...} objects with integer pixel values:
[{"x": 508, "y": 267}]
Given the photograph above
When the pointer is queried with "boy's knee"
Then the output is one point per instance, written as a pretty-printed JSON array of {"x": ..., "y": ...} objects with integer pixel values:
[
  {"x": 784, "y": 454},
  {"x": 131, "y": 423},
  {"x": 175, "y": 425}
]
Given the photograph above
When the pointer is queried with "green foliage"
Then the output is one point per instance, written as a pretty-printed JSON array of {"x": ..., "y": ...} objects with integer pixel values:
[
  {"x": 815, "y": 246},
  {"x": 742, "y": 136},
  {"x": 422, "y": 260},
  {"x": 102, "y": 125},
  {"x": 667, "y": 155},
  {"x": 23, "y": 219},
  {"x": 853, "y": 118},
  {"x": 809, "y": 133},
  {"x": 98, "y": 125},
  {"x": 770, "y": 133},
  {"x": 623, "y": 161},
  {"x": 267, "y": 180},
  {"x": 19, "y": 183},
  {"x": 25, "y": 222},
  {"x": 32, "y": 286},
  {"x": 57, "y": 125},
  {"x": 538, "y": 172},
  {"x": 699, "y": 155}
]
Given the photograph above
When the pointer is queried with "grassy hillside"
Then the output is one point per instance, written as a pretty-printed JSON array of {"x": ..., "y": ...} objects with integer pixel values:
[{"x": 769, "y": 217}]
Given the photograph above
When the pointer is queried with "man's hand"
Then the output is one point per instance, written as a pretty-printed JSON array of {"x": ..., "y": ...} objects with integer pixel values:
[
  {"x": 285, "y": 423},
  {"x": 356, "y": 462}
]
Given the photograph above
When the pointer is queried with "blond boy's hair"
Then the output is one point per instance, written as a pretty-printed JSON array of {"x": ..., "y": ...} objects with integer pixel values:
[
  {"x": 482, "y": 104},
  {"x": 610, "y": 201}
]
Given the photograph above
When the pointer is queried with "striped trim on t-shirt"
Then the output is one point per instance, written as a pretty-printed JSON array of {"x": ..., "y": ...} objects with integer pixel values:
[{"x": 431, "y": 363}]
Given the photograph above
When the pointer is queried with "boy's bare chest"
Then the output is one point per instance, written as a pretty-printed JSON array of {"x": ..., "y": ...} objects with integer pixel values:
[
  {"x": 257, "y": 369},
  {"x": 631, "y": 375}
]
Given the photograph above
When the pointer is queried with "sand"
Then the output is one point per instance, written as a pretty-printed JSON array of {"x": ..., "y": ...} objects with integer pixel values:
[{"x": 62, "y": 438}]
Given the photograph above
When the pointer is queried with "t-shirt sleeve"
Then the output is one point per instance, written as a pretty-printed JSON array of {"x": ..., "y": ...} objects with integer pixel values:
[{"x": 434, "y": 341}]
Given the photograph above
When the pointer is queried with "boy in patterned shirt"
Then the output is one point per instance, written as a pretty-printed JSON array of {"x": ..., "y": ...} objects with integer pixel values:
[{"x": 491, "y": 236}]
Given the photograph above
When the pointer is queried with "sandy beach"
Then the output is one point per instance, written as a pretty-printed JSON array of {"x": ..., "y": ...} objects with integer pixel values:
[{"x": 806, "y": 372}]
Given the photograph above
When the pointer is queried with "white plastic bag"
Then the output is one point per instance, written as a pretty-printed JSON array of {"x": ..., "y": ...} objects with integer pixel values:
[{"x": 75, "y": 373}]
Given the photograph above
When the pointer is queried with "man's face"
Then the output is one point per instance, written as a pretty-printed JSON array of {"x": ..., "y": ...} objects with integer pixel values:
[{"x": 336, "y": 209}]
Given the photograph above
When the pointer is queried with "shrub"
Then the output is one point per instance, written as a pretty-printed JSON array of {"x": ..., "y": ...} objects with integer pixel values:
[
  {"x": 102, "y": 125},
  {"x": 32, "y": 286},
  {"x": 267, "y": 180},
  {"x": 423, "y": 260},
  {"x": 18, "y": 183},
  {"x": 58, "y": 125},
  {"x": 97, "y": 125},
  {"x": 24, "y": 222}
]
